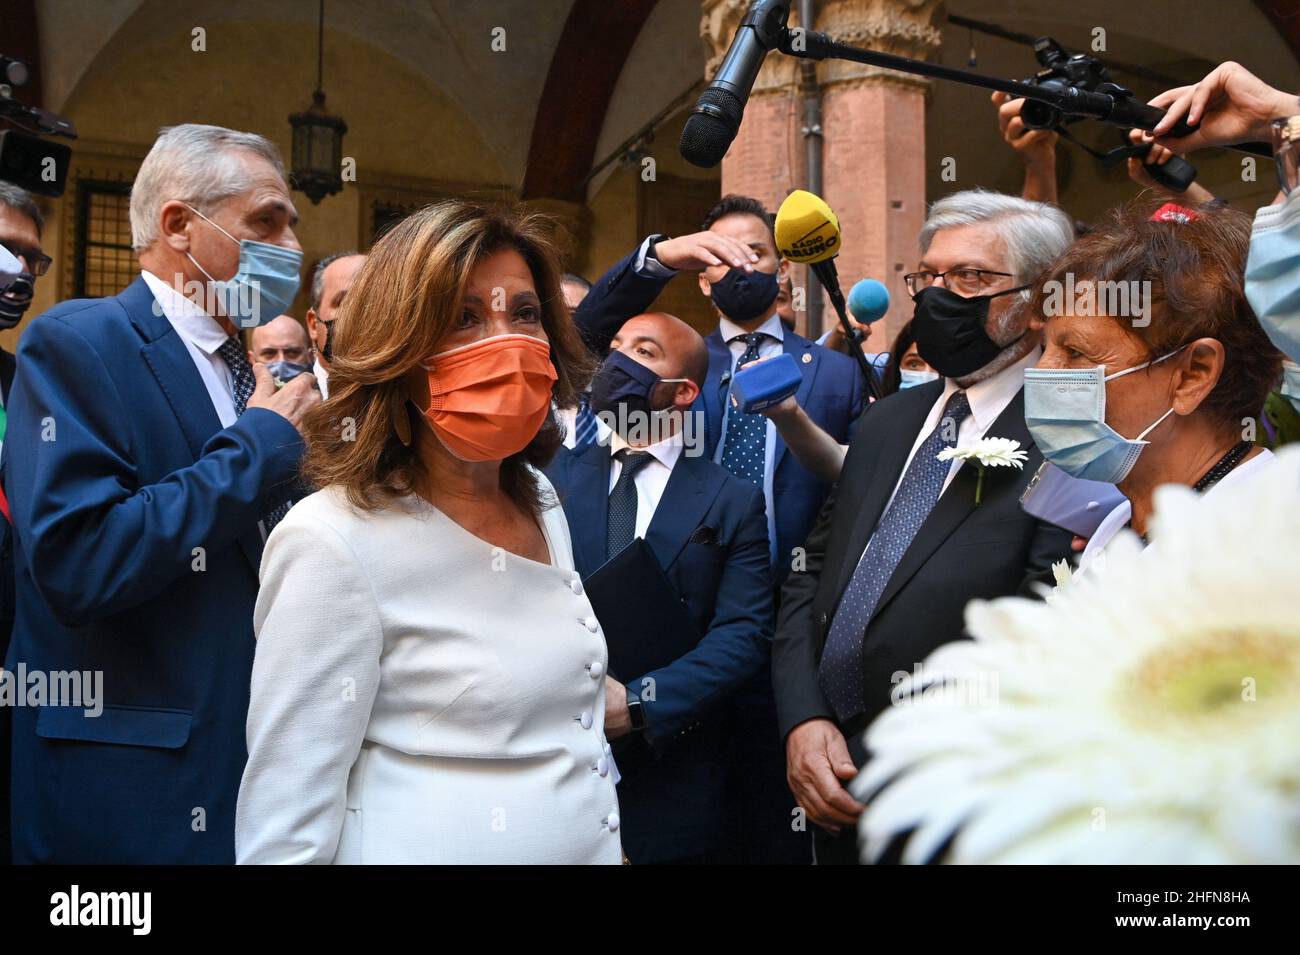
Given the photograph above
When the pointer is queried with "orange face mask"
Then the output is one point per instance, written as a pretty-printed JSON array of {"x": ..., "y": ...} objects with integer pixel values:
[{"x": 488, "y": 399}]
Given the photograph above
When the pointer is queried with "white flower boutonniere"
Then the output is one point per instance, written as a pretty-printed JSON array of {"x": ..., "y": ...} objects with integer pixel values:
[{"x": 986, "y": 453}]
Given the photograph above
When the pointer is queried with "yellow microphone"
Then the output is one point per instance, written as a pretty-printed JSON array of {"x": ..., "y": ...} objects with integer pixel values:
[{"x": 808, "y": 232}]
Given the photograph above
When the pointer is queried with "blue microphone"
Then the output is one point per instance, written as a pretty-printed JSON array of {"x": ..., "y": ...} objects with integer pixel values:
[{"x": 868, "y": 301}]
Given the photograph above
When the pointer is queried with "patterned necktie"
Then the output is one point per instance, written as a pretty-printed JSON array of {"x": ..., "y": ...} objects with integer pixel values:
[
  {"x": 621, "y": 527},
  {"x": 232, "y": 353},
  {"x": 584, "y": 423},
  {"x": 744, "y": 451},
  {"x": 840, "y": 673}
]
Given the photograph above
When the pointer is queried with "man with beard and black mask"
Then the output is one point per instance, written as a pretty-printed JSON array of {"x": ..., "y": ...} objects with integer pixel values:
[
  {"x": 20, "y": 236},
  {"x": 739, "y": 271},
  {"x": 707, "y": 529},
  {"x": 906, "y": 539}
]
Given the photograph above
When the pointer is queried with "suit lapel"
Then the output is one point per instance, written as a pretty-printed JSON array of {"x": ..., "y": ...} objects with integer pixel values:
[
  {"x": 808, "y": 360},
  {"x": 172, "y": 365},
  {"x": 905, "y": 420},
  {"x": 957, "y": 502},
  {"x": 690, "y": 492},
  {"x": 587, "y": 505}
]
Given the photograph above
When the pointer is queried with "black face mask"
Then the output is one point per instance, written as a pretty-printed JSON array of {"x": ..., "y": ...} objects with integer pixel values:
[
  {"x": 15, "y": 299},
  {"x": 623, "y": 388},
  {"x": 328, "y": 351},
  {"x": 744, "y": 296},
  {"x": 949, "y": 330}
]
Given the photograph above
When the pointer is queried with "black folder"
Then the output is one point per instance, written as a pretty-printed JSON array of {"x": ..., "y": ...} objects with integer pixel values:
[{"x": 646, "y": 627}]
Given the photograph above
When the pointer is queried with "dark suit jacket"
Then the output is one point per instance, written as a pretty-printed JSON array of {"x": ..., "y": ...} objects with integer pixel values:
[
  {"x": 961, "y": 552},
  {"x": 137, "y": 550},
  {"x": 833, "y": 394},
  {"x": 6, "y": 626},
  {"x": 709, "y": 534}
]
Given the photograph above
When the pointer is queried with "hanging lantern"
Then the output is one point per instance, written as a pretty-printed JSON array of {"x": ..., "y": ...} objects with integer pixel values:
[{"x": 317, "y": 152}]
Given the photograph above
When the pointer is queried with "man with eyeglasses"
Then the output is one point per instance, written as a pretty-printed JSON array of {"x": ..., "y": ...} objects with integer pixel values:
[
  {"x": 906, "y": 540},
  {"x": 21, "y": 223}
]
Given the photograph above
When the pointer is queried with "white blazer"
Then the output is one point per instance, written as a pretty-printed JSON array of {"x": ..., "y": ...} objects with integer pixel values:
[{"x": 420, "y": 696}]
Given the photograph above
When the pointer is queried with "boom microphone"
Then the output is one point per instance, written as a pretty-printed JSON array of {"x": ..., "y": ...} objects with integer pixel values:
[
  {"x": 808, "y": 232},
  {"x": 713, "y": 124}
]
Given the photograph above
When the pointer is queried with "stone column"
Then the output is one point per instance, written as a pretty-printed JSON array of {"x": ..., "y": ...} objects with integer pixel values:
[{"x": 874, "y": 126}]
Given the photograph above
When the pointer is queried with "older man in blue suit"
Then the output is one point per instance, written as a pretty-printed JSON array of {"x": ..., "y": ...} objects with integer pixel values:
[
  {"x": 739, "y": 271},
  {"x": 146, "y": 460},
  {"x": 647, "y": 477}
]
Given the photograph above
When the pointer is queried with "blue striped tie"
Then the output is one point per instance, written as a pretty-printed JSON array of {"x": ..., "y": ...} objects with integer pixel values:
[
  {"x": 584, "y": 423},
  {"x": 840, "y": 673}
]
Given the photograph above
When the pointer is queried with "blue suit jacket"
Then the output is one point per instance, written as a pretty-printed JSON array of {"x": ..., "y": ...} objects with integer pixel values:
[
  {"x": 709, "y": 534},
  {"x": 137, "y": 550},
  {"x": 832, "y": 393}
]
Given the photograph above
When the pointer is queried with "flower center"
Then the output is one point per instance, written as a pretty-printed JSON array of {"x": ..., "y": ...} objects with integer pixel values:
[{"x": 1207, "y": 674}]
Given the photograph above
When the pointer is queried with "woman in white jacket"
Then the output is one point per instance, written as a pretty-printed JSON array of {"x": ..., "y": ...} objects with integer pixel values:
[{"x": 429, "y": 681}]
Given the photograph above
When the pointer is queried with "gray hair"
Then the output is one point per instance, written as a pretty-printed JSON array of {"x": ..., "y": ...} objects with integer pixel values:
[
  {"x": 20, "y": 200},
  {"x": 1035, "y": 233},
  {"x": 318, "y": 277},
  {"x": 196, "y": 164}
]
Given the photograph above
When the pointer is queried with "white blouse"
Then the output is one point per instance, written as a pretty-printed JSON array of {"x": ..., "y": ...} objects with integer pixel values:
[
  {"x": 420, "y": 696},
  {"x": 1118, "y": 518}
]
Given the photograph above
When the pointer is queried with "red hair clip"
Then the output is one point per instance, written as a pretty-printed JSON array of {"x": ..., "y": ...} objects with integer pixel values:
[{"x": 1173, "y": 212}]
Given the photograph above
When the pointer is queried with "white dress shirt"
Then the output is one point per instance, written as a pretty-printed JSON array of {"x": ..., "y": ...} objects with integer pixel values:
[
  {"x": 568, "y": 417},
  {"x": 1116, "y": 520},
  {"x": 202, "y": 336},
  {"x": 653, "y": 477},
  {"x": 322, "y": 377},
  {"x": 422, "y": 696},
  {"x": 987, "y": 398},
  {"x": 769, "y": 347}
]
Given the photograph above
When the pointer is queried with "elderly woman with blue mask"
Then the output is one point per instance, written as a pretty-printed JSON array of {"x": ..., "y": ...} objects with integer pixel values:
[{"x": 1154, "y": 367}]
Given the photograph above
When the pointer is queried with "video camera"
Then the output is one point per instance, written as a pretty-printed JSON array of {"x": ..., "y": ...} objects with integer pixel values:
[
  {"x": 28, "y": 161},
  {"x": 1063, "y": 71}
]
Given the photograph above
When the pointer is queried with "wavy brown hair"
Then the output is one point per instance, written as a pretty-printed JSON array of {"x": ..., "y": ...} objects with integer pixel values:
[{"x": 405, "y": 300}]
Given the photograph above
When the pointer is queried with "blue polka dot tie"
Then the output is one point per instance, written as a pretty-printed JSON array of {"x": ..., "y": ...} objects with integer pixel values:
[
  {"x": 241, "y": 373},
  {"x": 744, "y": 450},
  {"x": 840, "y": 673}
]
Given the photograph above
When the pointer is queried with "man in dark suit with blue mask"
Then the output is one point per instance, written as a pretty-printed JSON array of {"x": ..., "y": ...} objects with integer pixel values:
[
  {"x": 647, "y": 477},
  {"x": 146, "y": 461},
  {"x": 740, "y": 269}
]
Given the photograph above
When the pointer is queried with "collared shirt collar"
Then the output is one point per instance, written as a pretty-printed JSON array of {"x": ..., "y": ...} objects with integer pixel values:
[
  {"x": 729, "y": 329},
  {"x": 666, "y": 452},
  {"x": 990, "y": 397},
  {"x": 204, "y": 331}
]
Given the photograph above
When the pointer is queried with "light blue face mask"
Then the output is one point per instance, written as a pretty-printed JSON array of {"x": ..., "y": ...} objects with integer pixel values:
[
  {"x": 262, "y": 287},
  {"x": 1291, "y": 383},
  {"x": 1065, "y": 410},
  {"x": 910, "y": 378},
  {"x": 1273, "y": 274}
]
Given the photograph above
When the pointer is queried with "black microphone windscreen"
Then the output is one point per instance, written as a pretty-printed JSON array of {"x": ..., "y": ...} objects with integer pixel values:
[{"x": 707, "y": 135}]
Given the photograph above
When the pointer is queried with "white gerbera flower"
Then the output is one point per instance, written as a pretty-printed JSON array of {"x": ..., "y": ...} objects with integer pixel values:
[
  {"x": 1149, "y": 713},
  {"x": 989, "y": 452}
]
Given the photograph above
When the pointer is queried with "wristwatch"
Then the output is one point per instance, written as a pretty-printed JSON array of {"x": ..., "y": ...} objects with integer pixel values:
[
  {"x": 1286, "y": 152},
  {"x": 635, "y": 711}
]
